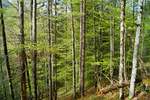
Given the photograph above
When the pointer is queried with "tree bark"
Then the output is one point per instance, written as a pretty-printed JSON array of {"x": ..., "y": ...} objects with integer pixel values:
[
  {"x": 31, "y": 12},
  {"x": 22, "y": 51},
  {"x": 136, "y": 46},
  {"x": 50, "y": 45},
  {"x": 111, "y": 48},
  {"x": 6, "y": 53},
  {"x": 82, "y": 45},
  {"x": 73, "y": 54},
  {"x": 122, "y": 46},
  {"x": 55, "y": 55},
  {"x": 34, "y": 41}
]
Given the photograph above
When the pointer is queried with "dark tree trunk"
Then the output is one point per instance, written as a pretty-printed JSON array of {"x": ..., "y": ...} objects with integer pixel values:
[
  {"x": 34, "y": 42},
  {"x": 82, "y": 45},
  {"x": 73, "y": 54},
  {"x": 50, "y": 45},
  {"x": 6, "y": 53},
  {"x": 22, "y": 51}
]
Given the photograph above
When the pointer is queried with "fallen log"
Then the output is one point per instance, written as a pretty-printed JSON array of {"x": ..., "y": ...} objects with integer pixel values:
[{"x": 111, "y": 88}]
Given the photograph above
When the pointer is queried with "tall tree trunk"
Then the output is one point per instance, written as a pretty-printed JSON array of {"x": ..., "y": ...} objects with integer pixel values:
[
  {"x": 55, "y": 55},
  {"x": 31, "y": 12},
  {"x": 82, "y": 45},
  {"x": 111, "y": 47},
  {"x": 34, "y": 41},
  {"x": 73, "y": 54},
  {"x": 122, "y": 45},
  {"x": 95, "y": 45},
  {"x": 22, "y": 51},
  {"x": 50, "y": 45},
  {"x": 6, "y": 53},
  {"x": 136, "y": 46}
]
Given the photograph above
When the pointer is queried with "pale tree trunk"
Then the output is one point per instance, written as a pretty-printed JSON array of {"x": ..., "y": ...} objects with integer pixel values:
[
  {"x": 31, "y": 12},
  {"x": 82, "y": 45},
  {"x": 6, "y": 53},
  {"x": 136, "y": 46},
  {"x": 50, "y": 45},
  {"x": 22, "y": 51},
  {"x": 55, "y": 55},
  {"x": 111, "y": 47},
  {"x": 122, "y": 46},
  {"x": 73, "y": 53},
  {"x": 34, "y": 52}
]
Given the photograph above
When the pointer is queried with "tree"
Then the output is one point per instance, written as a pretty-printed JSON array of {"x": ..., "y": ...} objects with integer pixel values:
[
  {"x": 136, "y": 46},
  {"x": 73, "y": 53},
  {"x": 22, "y": 51},
  {"x": 122, "y": 45},
  {"x": 34, "y": 42},
  {"x": 50, "y": 73},
  {"x": 111, "y": 47},
  {"x": 82, "y": 45},
  {"x": 6, "y": 53}
]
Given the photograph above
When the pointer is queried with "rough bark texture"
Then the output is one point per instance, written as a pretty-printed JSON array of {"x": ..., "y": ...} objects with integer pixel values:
[
  {"x": 6, "y": 53},
  {"x": 22, "y": 51},
  {"x": 34, "y": 41},
  {"x": 82, "y": 45},
  {"x": 122, "y": 44},
  {"x": 50, "y": 45},
  {"x": 136, "y": 46}
]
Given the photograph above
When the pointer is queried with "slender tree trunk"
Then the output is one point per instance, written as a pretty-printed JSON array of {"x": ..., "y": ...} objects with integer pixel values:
[
  {"x": 22, "y": 51},
  {"x": 95, "y": 46},
  {"x": 82, "y": 45},
  {"x": 124, "y": 68},
  {"x": 55, "y": 55},
  {"x": 122, "y": 45},
  {"x": 28, "y": 77},
  {"x": 66, "y": 55},
  {"x": 73, "y": 54},
  {"x": 31, "y": 12},
  {"x": 50, "y": 55},
  {"x": 111, "y": 47},
  {"x": 136, "y": 46},
  {"x": 34, "y": 41},
  {"x": 6, "y": 54}
]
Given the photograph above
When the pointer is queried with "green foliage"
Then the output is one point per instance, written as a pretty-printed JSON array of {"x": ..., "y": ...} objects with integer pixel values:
[{"x": 97, "y": 50}]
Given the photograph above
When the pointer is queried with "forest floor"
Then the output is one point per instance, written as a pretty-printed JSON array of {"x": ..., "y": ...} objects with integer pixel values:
[{"x": 90, "y": 94}]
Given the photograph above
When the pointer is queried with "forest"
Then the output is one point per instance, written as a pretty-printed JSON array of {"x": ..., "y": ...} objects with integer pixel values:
[{"x": 74, "y": 49}]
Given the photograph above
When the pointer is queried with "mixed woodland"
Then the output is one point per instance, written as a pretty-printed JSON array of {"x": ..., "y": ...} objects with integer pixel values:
[{"x": 74, "y": 49}]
